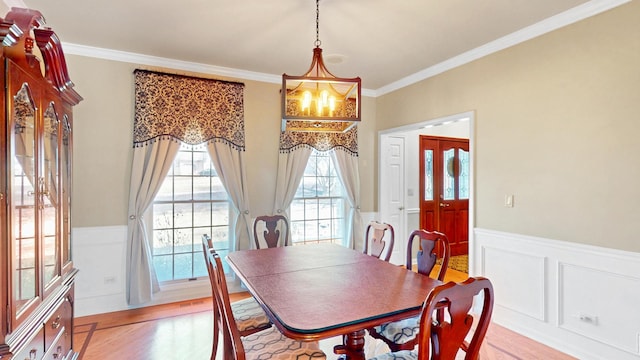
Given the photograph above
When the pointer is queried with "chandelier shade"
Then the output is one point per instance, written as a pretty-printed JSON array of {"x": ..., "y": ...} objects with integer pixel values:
[{"x": 318, "y": 100}]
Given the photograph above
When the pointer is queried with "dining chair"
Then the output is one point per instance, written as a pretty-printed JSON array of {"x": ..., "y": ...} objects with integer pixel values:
[
  {"x": 273, "y": 231},
  {"x": 443, "y": 337},
  {"x": 402, "y": 335},
  {"x": 266, "y": 344},
  {"x": 247, "y": 313},
  {"x": 375, "y": 240}
]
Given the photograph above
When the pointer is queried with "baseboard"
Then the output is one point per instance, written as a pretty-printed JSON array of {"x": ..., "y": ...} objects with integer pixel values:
[{"x": 579, "y": 299}]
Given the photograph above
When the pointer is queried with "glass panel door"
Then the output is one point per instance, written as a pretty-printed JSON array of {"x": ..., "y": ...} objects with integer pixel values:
[
  {"x": 23, "y": 199},
  {"x": 49, "y": 196}
]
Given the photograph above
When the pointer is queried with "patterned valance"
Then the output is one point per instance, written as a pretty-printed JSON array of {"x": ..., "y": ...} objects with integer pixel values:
[
  {"x": 321, "y": 140},
  {"x": 187, "y": 109}
]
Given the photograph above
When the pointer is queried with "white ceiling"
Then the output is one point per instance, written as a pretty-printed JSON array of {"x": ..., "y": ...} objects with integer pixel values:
[{"x": 387, "y": 43}]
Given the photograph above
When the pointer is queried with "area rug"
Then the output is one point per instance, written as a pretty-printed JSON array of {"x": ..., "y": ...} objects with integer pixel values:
[{"x": 459, "y": 263}]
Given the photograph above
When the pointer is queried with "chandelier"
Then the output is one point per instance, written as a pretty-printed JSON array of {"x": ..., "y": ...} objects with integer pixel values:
[{"x": 318, "y": 100}]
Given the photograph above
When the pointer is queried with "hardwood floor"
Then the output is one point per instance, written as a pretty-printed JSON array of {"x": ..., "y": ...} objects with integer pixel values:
[{"x": 182, "y": 331}]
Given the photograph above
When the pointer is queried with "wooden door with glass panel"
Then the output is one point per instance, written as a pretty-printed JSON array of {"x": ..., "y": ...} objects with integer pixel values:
[{"x": 444, "y": 189}]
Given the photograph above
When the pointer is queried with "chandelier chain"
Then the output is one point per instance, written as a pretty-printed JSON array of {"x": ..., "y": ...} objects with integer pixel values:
[{"x": 318, "y": 42}]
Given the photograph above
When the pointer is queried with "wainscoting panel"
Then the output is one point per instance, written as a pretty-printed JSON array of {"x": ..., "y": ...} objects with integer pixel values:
[
  {"x": 589, "y": 297},
  {"x": 602, "y": 318},
  {"x": 519, "y": 280},
  {"x": 99, "y": 254}
]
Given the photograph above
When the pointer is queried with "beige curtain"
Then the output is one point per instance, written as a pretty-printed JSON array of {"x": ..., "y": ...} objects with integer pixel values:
[
  {"x": 291, "y": 165},
  {"x": 231, "y": 163},
  {"x": 347, "y": 164},
  {"x": 150, "y": 166},
  {"x": 170, "y": 110}
]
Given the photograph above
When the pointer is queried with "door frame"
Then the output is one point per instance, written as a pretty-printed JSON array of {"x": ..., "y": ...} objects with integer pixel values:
[{"x": 425, "y": 125}]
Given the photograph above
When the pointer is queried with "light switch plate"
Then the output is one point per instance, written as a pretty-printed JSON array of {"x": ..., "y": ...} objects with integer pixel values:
[{"x": 508, "y": 200}]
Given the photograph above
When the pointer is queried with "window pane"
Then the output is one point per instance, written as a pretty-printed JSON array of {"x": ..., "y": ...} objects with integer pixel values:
[
  {"x": 182, "y": 188},
  {"x": 162, "y": 216},
  {"x": 428, "y": 175},
  {"x": 324, "y": 208},
  {"x": 190, "y": 204},
  {"x": 162, "y": 242},
  {"x": 297, "y": 210},
  {"x": 202, "y": 188},
  {"x": 324, "y": 229},
  {"x": 183, "y": 265},
  {"x": 449, "y": 180},
  {"x": 164, "y": 267},
  {"x": 183, "y": 216},
  {"x": 218, "y": 191},
  {"x": 183, "y": 241},
  {"x": 183, "y": 164},
  {"x": 199, "y": 267},
  {"x": 220, "y": 213},
  {"x": 220, "y": 238},
  {"x": 317, "y": 211},
  {"x": 463, "y": 179},
  {"x": 311, "y": 209},
  {"x": 202, "y": 214}
]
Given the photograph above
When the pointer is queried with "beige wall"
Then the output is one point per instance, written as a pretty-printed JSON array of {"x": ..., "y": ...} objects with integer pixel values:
[
  {"x": 103, "y": 123},
  {"x": 556, "y": 125}
]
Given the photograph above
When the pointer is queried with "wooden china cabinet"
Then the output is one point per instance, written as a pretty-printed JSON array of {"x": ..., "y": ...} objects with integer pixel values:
[{"x": 36, "y": 270}]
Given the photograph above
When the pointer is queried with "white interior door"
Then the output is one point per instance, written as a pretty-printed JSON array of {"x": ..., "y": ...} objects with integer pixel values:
[{"x": 392, "y": 190}]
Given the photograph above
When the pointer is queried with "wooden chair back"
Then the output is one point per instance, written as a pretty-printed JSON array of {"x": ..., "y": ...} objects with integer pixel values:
[
  {"x": 207, "y": 248},
  {"x": 442, "y": 338},
  {"x": 233, "y": 348},
  {"x": 379, "y": 238},
  {"x": 275, "y": 233},
  {"x": 431, "y": 243}
]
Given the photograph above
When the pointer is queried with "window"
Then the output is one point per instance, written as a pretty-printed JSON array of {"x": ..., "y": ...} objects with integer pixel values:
[
  {"x": 319, "y": 206},
  {"x": 190, "y": 203}
]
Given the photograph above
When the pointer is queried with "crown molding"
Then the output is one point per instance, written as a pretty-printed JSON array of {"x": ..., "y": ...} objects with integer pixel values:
[
  {"x": 568, "y": 17},
  {"x": 135, "y": 58},
  {"x": 555, "y": 22},
  {"x": 129, "y": 57}
]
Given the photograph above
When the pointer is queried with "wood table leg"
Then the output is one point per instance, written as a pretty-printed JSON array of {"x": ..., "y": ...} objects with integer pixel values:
[{"x": 352, "y": 347}]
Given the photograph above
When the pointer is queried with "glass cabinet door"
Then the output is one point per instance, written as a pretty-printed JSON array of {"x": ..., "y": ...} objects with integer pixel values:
[
  {"x": 49, "y": 190},
  {"x": 23, "y": 199}
]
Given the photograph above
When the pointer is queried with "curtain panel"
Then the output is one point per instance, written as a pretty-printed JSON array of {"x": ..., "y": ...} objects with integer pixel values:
[
  {"x": 295, "y": 149},
  {"x": 170, "y": 110}
]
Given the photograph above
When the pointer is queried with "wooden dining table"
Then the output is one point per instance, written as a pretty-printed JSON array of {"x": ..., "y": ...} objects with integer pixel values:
[{"x": 317, "y": 291}]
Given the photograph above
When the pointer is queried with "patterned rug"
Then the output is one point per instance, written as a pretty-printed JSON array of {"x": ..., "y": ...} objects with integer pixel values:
[{"x": 458, "y": 263}]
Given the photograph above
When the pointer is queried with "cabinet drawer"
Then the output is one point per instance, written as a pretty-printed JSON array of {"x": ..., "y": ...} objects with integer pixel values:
[
  {"x": 60, "y": 349},
  {"x": 58, "y": 323},
  {"x": 34, "y": 350}
]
